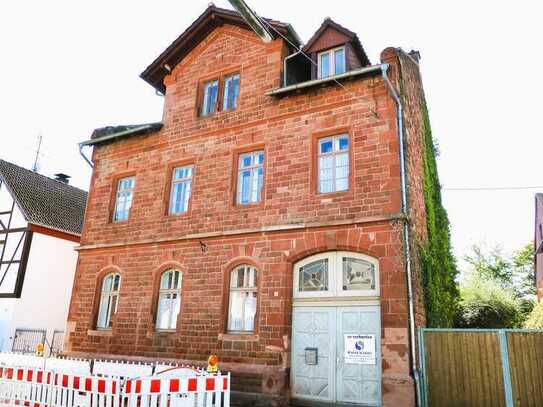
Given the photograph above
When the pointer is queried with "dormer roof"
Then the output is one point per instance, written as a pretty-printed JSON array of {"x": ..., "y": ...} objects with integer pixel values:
[
  {"x": 342, "y": 36},
  {"x": 212, "y": 18}
]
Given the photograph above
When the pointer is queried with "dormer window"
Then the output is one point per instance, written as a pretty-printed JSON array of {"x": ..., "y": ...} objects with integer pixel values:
[{"x": 331, "y": 62}]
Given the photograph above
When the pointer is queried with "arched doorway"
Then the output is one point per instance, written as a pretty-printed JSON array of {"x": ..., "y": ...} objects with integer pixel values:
[{"x": 336, "y": 329}]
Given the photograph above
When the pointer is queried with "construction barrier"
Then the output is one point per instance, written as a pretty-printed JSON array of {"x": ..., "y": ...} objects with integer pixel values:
[{"x": 36, "y": 388}]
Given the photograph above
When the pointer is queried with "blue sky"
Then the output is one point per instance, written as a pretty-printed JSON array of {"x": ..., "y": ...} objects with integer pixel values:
[{"x": 71, "y": 66}]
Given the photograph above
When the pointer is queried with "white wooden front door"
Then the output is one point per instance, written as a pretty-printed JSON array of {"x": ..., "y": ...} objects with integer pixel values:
[{"x": 334, "y": 379}]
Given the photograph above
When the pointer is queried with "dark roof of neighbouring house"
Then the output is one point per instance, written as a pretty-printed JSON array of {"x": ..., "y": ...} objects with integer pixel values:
[
  {"x": 44, "y": 201},
  {"x": 211, "y": 18},
  {"x": 353, "y": 38},
  {"x": 111, "y": 133}
]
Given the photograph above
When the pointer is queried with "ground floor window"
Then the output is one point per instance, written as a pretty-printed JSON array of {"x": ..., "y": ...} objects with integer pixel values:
[
  {"x": 169, "y": 300},
  {"x": 243, "y": 296}
]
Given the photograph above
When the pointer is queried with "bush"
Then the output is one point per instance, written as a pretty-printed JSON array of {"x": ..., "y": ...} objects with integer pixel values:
[
  {"x": 535, "y": 319},
  {"x": 486, "y": 304}
]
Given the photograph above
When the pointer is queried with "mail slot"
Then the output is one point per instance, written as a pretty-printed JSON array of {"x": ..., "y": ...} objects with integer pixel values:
[{"x": 311, "y": 356}]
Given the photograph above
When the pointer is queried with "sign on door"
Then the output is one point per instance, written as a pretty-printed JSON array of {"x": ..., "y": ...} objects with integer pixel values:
[{"x": 360, "y": 349}]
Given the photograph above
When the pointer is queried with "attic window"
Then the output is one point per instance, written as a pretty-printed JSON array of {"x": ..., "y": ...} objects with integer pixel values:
[
  {"x": 211, "y": 91},
  {"x": 331, "y": 62}
]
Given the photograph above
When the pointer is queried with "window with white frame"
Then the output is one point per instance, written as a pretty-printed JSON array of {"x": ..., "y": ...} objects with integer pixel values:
[
  {"x": 109, "y": 299},
  {"x": 333, "y": 164},
  {"x": 243, "y": 292},
  {"x": 211, "y": 93},
  {"x": 331, "y": 62},
  {"x": 231, "y": 92},
  {"x": 250, "y": 177},
  {"x": 123, "y": 198},
  {"x": 336, "y": 274},
  {"x": 169, "y": 300},
  {"x": 181, "y": 189}
]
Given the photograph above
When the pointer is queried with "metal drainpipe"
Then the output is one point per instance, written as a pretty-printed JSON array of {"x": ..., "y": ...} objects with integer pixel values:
[
  {"x": 407, "y": 248},
  {"x": 84, "y": 156}
]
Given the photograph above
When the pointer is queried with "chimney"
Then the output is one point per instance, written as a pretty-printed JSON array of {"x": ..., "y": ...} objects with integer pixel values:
[
  {"x": 415, "y": 55},
  {"x": 62, "y": 178}
]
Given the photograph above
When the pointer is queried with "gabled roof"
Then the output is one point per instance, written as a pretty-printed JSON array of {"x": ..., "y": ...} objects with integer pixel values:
[
  {"x": 212, "y": 18},
  {"x": 353, "y": 38},
  {"x": 44, "y": 201},
  {"x": 111, "y": 133}
]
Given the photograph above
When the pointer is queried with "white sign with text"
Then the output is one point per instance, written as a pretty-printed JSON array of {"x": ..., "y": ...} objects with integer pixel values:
[{"x": 360, "y": 349}]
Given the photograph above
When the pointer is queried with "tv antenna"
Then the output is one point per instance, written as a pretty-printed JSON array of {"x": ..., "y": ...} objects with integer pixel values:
[{"x": 35, "y": 166}]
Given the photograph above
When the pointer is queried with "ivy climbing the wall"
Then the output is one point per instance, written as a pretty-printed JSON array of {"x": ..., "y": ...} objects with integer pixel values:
[{"x": 437, "y": 261}]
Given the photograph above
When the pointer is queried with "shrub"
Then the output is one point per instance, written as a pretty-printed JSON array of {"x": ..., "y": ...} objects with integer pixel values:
[
  {"x": 486, "y": 304},
  {"x": 535, "y": 318}
]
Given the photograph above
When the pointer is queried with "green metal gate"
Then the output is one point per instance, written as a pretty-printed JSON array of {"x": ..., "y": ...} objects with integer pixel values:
[{"x": 481, "y": 367}]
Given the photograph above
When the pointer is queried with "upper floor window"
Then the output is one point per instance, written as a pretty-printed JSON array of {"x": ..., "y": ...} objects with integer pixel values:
[
  {"x": 333, "y": 164},
  {"x": 250, "y": 177},
  {"x": 181, "y": 189},
  {"x": 242, "y": 306},
  {"x": 109, "y": 298},
  {"x": 331, "y": 62},
  {"x": 169, "y": 300},
  {"x": 231, "y": 92},
  {"x": 123, "y": 198},
  {"x": 211, "y": 92}
]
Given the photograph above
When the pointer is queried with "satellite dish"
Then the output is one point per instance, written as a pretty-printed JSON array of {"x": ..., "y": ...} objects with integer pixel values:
[{"x": 252, "y": 19}]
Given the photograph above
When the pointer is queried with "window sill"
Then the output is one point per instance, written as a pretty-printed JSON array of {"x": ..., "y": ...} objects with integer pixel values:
[
  {"x": 239, "y": 337},
  {"x": 100, "y": 332}
]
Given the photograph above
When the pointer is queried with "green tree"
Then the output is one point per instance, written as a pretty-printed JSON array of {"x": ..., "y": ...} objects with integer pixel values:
[
  {"x": 490, "y": 263},
  {"x": 523, "y": 271}
]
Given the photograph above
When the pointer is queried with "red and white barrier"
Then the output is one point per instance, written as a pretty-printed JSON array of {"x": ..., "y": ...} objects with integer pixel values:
[{"x": 36, "y": 388}]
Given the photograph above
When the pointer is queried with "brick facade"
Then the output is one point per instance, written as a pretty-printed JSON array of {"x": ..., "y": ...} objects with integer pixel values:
[{"x": 215, "y": 235}]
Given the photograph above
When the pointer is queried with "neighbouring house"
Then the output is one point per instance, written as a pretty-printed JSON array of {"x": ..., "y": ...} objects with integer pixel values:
[
  {"x": 40, "y": 225},
  {"x": 265, "y": 219},
  {"x": 538, "y": 241}
]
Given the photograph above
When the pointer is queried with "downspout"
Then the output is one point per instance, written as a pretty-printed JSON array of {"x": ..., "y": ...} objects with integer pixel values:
[
  {"x": 84, "y": 156},
  {"x": 406, "y": 235}
]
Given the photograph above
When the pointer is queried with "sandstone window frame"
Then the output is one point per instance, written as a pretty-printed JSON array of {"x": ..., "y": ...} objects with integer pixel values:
[
  {"x": 168, "y": 292},
  {"x": 255, "y": 167},
  {"x": 227, "y": 80},
  {"x": 115, "y": 196},
  {"x": 219, "y": 104},
  {"x": 249, "y": 287},
  {"x": 187, "y": 181},
  {"x": 106, "y": 297},
  {"x": 315, "y": 167}
]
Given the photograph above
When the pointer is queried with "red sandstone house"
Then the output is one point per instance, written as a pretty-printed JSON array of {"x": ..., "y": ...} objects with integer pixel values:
[
  {"x": 265, "y": 219},
  {"x": 538, "y": 240}
]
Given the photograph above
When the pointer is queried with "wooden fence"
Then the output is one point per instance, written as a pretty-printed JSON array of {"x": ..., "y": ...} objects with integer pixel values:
[{"x": 481, "y": 367}]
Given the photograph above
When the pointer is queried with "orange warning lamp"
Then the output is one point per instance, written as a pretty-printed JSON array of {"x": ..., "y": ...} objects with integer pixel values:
[
  {"x": 40, "y": 349},
  {"x": 212, "y": 364}
]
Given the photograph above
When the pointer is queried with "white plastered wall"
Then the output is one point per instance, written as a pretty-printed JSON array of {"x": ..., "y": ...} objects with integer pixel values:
[{"x": 46, "y": 290}]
